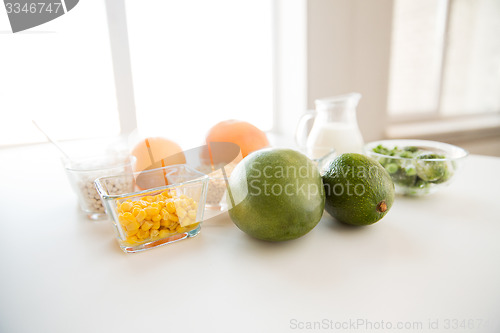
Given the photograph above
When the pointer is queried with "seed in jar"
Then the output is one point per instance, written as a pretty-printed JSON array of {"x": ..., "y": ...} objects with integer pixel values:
[{"x": 89, "y": 197}]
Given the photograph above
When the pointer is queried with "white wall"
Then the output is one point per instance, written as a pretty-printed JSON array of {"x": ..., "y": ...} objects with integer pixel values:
[{"x": 348, "y": 50}]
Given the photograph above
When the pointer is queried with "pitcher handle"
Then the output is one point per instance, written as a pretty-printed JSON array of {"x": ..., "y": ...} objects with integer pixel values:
[{"x": 303, "y": 128}]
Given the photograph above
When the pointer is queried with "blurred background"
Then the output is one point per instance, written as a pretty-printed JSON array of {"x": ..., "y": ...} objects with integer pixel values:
[{"x": 427, "y": 69}]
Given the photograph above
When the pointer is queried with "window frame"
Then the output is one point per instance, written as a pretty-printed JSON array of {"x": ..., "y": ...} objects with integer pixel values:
[
  {"x": 436, "y": 115},
  {"x": 122, "y": 68},
  {"x": 296, "y": 60}
]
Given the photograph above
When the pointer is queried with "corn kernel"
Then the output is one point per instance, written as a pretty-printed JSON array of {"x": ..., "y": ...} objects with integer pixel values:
[
  {"x": 164, "y": 223},
  {"x": 193, "y": 226},
  {"x": 143, "y": 234},
  {"x": 141, "y": 215},
  {"x": 163, "y": 233},
  {"x": 161, "y": 203},
  {"x": 180, "y": 229},
  {"x": 154, "y": 233},
  {"x": 180, "y": 203},
  {"x": 186, "y": 221},
  {"x": 181, "y": 212},
  {"x": 148, "y": 198},
  {"x": 131, "y": 226},
  {"x": 128, "y": 217},
  {"x": 156, "y": 225},
  {"x": 173, "y": 218},
  {"x": 126, "y": 206},
  {"x": 135, "y": 211},
  {"x": 156, "y": 218},
  {"x": 132, "y": 239},
  {"x": 146, "y": 226},
  {"x": 170, "y": 207},
  {"x": 132, "y": 232},
  {"x": 152, "y": 211},
  {"x": 192, "y": 214},
  {"x": 144, "y": 203}
]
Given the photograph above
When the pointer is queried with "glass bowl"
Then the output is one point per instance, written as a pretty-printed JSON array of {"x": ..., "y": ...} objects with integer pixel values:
[
  {"x": 216, "y": 195},
  {"x": 417, "y": 167},
  {"x": 83, "y": 172},
  {"x": 165, "y": 205}
]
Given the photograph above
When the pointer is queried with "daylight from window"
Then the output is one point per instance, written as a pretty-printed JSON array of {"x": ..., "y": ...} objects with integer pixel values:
[
  {"x": 445, "y": 57},
  {"x": 49, "y": 74},
  {"x": 195, "y": 63}
]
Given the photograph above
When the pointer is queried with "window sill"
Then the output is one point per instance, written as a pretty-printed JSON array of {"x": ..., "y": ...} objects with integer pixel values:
[{"x": 463, "y": 129}]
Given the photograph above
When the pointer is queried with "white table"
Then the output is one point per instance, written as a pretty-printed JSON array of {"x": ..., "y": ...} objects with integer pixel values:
[{"x": 428, "y": 261}]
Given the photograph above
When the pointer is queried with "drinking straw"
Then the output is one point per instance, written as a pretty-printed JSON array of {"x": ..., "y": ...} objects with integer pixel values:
[{"x": 54, "y": 142}]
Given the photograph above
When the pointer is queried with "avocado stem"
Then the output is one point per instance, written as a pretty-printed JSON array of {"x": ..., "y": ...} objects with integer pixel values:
[{"x": 382, "y": 206}]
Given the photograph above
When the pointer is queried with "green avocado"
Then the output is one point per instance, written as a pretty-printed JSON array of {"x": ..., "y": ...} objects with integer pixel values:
[{"x": 358, "y": 190}]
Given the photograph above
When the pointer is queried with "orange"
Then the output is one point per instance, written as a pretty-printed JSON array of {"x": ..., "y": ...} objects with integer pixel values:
[
  {"x": 156, "y": 152},
  {"x": 248, "y": 137}
]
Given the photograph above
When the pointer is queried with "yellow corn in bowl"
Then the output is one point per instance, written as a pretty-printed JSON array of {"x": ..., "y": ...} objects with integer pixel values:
[{"x": 167, "y": 206}]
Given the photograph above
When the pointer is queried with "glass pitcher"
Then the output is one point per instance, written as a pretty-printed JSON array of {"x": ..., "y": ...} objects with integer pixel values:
[{"x": 334, "y": 127}]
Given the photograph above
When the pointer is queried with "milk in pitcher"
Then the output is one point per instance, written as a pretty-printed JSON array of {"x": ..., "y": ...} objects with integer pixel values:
[{"x": 343, "y": 137}]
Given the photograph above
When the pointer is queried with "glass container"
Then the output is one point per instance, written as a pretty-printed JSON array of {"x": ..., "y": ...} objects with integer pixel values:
[
  {"x": 83, "y": 172},
  {"x": 334, "y": 127},
  {"x": 418, "y": 167},
  {"x": 166, "y": 205}
]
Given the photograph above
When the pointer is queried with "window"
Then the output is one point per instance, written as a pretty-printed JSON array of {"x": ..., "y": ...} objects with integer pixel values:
[
  {"x": 59, "y": 73},
  {"x": 197, "y": 62},
  {"x": 445, "y": 58},
  {"x": 194, "y": 63}
]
